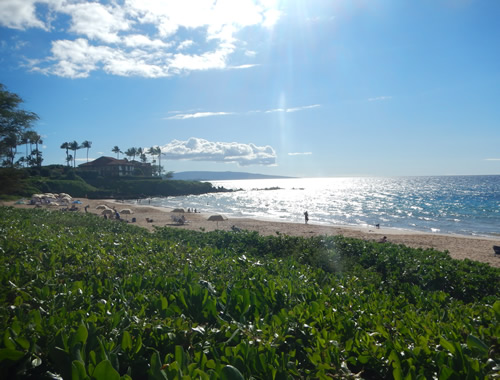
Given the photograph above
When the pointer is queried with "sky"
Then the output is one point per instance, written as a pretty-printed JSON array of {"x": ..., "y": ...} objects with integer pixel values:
[{"x": 305, "y": 88}]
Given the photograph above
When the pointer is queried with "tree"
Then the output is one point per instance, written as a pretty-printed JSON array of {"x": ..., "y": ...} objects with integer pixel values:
[
  {"x": 36, "y": 139},
  {"x": 156, "y": 151},
  {"x": 14, "y": 122},
  {"x": 131, "y": 152},
  {"x": 117, "y": 151},
  {"x": 87, "y": 145},
  {"x": 25, "y": 140},
  {"x": 65, "y": 145},
  {"x": 74, "y": 147}
]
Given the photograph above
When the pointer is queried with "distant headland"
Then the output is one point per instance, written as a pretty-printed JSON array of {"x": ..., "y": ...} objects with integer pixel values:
[{"x": 220, "y": 176}]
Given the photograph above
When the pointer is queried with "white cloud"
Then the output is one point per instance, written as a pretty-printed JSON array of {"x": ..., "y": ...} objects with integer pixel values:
[
  {"x": 140, "y": 40},
  {"x": 185, "y": 44},
  {"x": 138, "y": 37},
  {"x": 97, "y": 21},
  {"x": 300, "y": 154},
  {"x": 242, "y": 67},
  {"x": 197, "y": 115},
  {"x": 492, "y": 159},
  {"x": 198, "y": 149},
  {"x": 294, "y": 109},
  {"x": 379, "y": 98},
  {"x": 194, "y": 115},
  {"x": 17, "y": 14}
]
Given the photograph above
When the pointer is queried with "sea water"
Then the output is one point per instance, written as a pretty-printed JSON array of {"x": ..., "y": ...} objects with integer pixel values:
[{"x": 466, "y": 205}]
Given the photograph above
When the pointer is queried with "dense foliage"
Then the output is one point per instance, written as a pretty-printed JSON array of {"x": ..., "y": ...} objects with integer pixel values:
[
  {"x": 16, "y": 130},
  {"x": 86, "y": 298},
  {"x": 63, "y": 179}
]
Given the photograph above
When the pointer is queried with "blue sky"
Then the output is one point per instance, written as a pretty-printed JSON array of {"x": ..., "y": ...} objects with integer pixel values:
[{"x": 301, "y": 88}]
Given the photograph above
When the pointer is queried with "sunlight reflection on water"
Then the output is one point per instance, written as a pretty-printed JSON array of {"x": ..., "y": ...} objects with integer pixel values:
[{"x": 457, "y": 204}]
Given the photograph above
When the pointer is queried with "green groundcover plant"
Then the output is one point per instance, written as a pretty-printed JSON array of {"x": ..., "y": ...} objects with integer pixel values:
[{"x": 87, "y": 298}]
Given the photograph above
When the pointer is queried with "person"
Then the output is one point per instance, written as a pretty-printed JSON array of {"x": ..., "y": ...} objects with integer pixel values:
[
  {"x": 87, "y": 208},
  {"x": 306, "y": 216},
  {"x": 117, "y": 215},
  {"x": 383, "y": 240}
]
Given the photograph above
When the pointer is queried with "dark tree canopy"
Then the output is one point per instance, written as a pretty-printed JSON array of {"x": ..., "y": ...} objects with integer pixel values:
[{"x": 15, "y": 129}]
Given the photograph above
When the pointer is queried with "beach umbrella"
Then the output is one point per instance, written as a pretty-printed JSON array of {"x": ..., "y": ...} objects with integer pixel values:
[
  {"x": 217, "y": 218},
  {"x": 107, "y": 211},
  {"x": 102, "y": 207},
  {"x": 126, "y": 211}
]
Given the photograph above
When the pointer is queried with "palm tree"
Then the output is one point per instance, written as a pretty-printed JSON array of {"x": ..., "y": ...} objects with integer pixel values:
[
  {"x": 37, "y": 139},
  {"x": 131, "y": 152},
  {"x": 117, "y": 151},
  {"x": 25, "y": 139},
  {"x": 87, "y": 145},
  {"x": 74, "y": 147},
  {"x": 156, "y": 151},
  {"x": 65, "y": 145}
]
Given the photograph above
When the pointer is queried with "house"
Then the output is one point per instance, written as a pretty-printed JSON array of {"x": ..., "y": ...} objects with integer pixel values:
[{"x": 112, "y": 167}]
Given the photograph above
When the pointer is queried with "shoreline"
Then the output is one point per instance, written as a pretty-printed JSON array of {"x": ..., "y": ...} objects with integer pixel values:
[{"x": 459, "y": 247}]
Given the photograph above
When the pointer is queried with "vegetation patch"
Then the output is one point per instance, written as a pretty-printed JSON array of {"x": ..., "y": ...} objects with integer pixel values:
[{"x": 87, "y": 298}]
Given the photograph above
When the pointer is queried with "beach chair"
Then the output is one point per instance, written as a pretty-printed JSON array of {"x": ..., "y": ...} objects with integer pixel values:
[
  {"x": 496, "y": 249},
  {"x": 180, "y": 220}
]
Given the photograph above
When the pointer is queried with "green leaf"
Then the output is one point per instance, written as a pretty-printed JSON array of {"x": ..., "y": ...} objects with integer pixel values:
[
  {"x": 78, "y": 371},
  {"x": 80, "y": 335},
  {"x": 447, "y": 345},
  {"x": 126, "y": 341},
  {"x": 396, "y": 364},
  {"x": 478, "y": 345},
  {"x": 105, "y": 371},
  {"x": 138, "y": 344},
  {"x": 445, "y": 373},
  {"x": 155, "y": 372},
  {"x": 231, "y": 373},
  {"x": 496, "y": 308},
  {"x": 10, "y": 354},
  {"x": 363, "y": 359}
]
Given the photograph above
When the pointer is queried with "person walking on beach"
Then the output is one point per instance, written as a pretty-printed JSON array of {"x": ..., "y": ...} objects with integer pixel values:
[{"x": 306, "y": 216}]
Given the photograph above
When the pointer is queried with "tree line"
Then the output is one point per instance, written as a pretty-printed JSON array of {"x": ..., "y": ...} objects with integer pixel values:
[
  {"x": 16, "y": 130},
  {"x": 74, "y": 146},
  {"x": 132, "y": 153}
]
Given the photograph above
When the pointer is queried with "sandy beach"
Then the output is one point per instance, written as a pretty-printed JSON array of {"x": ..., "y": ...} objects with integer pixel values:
[{"x": 459, "y": 247}]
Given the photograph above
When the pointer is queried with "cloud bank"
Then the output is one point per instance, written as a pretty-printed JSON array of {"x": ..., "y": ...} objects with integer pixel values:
[
  {"x": 198, "y": 149},
  {"x": 146, "y": 38}
]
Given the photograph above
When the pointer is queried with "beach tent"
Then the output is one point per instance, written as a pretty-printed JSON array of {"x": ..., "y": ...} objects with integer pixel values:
[
  {"x": 77, "y": 202},
  {"x": 217, "y": 218},
  {"x": 178, "y": 210}
]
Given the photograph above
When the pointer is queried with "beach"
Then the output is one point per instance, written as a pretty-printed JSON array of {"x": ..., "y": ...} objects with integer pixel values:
[{"x": 459, "y": 247}]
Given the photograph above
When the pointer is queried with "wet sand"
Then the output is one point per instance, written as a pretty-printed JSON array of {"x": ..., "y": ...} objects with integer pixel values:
[{"x": 459, "y": 247}]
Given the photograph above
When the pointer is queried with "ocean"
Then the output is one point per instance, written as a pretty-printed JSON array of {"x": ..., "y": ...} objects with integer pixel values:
[{"x": 464, "y": 205}]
